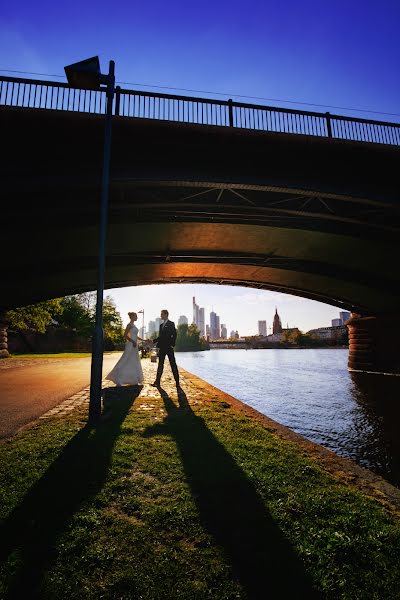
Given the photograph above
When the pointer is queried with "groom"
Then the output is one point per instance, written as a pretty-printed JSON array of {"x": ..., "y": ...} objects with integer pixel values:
[{"x": 166, "y": 342}]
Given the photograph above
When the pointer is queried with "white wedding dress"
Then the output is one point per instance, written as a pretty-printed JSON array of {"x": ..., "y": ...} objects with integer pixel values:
[{"x": 128, "y": 369}]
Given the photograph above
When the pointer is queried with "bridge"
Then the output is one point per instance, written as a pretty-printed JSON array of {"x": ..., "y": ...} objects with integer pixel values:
[{"x": 202, "y": 190}]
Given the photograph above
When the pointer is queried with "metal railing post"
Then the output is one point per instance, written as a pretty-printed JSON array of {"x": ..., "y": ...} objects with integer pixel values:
[
  {"x": 230, "y": 112},
  {"x": 328, "y": 124},
  {"x": 117, "y": 100}
]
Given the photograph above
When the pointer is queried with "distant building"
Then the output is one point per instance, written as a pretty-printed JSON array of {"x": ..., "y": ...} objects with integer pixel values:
[
  {"x": 151, "y": 329},
  {"x": 277, "y": 324},
  {"x": 199, "y": 318},
  {"x": 328, "y": 333},
  {"x": 224, "y": 332},
  {"x": 196, "y": 310},
  {"x": 232, "y": 335},
  {"x": 344, "y": 316},
  {"x": 183, "y": 320},
  {"x": 215, "y": 332},
  {"x": 202, "y": 322},
  {"x": 158, "y": 323},
  {"x": 208, "y": 331},
  {"x": 262, "y": 328}
]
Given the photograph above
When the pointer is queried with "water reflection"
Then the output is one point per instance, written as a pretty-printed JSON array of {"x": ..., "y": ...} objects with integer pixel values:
[
  {"x": 312, "y": 392},
  {"x": 377, "y": 417}
]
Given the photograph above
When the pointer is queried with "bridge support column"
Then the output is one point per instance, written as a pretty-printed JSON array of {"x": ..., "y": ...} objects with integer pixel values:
[
  {"x": 4, "y": 353},
  {"x": 374, "y": 343}
]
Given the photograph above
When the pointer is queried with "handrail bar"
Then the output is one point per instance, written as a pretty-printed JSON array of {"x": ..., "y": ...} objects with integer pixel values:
[{"x": 215, "y": 101}]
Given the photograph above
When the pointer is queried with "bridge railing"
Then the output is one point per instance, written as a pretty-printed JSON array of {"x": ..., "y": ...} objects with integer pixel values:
[{"x": 49, "y": 95}]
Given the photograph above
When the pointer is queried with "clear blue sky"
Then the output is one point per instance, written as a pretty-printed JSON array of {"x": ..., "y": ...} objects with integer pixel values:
[{"x": 343, "y": 54}]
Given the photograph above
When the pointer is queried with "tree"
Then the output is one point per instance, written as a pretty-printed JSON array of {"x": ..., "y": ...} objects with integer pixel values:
[
  {"x": 188, "y": 338},
  {"x": 76, "y": 316},
  {"x": 112, "y": 324},
  {"x": 79, "y": 315},
  {"x": 34, "y": 316}
]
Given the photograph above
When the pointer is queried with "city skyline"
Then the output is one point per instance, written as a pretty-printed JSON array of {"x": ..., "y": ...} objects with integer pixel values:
[{"x": 238, "y": 308}]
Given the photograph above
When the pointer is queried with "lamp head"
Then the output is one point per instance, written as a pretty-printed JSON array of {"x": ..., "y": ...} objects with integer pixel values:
[{"x": 84, "y": 74}]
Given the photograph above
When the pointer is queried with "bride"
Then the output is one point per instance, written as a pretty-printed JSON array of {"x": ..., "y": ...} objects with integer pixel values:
[{"x": 128, "y": 369}]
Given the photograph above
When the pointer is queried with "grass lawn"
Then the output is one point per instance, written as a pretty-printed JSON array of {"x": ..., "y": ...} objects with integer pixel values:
[{"x": 185, "y": 499}]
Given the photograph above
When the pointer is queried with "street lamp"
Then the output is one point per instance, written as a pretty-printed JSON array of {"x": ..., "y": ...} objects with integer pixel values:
[
  {"x": 86, "y": 75},
  {"x": 142, "y": 312}
]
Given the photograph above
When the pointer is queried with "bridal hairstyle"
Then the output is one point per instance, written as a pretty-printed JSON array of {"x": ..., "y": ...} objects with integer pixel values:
[{"x": 132, "y": 313}]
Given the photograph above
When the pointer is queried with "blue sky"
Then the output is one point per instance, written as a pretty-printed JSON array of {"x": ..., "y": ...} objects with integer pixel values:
[{"x": 343, "y": 54}]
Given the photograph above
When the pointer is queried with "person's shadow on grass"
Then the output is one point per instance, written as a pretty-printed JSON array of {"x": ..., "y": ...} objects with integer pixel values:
[
  {"x": 75, "y": 477},
  {"x": 232, "y": 511}
]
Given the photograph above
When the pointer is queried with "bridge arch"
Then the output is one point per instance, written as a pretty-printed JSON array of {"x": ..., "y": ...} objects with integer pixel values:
[{"x": 314, "y": 217}]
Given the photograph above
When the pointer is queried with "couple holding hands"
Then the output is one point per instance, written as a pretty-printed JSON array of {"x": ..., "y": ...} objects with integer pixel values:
[{"x": 128, "y": 369}]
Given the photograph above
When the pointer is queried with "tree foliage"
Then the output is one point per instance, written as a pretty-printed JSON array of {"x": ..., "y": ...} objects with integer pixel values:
[
  {"x": 75, "y": 313},
  {"x": 112, "y": 323},
  {"x": 34, "y": 316},
  {"x": 188, "y": 338},
  {"x": 75, "y": 316}
]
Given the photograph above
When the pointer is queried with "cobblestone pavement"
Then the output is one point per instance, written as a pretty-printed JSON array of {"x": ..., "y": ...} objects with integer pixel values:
[{"x": 81, "y": 399}]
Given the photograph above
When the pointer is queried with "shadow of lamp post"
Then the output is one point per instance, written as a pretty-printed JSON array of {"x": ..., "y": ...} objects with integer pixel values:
[{"x": 86, "y": 75}]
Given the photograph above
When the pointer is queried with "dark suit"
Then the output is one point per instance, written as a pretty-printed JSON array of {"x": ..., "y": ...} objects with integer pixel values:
[{"x": 166, "y": 341}]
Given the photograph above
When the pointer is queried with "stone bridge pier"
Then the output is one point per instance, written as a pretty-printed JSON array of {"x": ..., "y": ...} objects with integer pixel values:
[
  {"x": 374, "y": 343},
  {"x": 3, "y": 337}
]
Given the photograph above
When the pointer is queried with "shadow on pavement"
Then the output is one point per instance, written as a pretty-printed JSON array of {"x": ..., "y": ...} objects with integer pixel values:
[
  {"x": 231, "y": 510},
  {"x": 76, "y": 476}
]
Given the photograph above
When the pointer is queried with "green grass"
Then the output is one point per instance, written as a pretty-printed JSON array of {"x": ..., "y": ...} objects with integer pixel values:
[{"x": 185, "y": 504}]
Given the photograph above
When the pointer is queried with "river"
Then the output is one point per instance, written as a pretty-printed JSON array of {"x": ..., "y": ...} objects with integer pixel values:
[{"x": 312, "y": 392}]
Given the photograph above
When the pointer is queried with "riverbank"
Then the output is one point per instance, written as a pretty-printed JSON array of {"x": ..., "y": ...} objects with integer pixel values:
[{"x": 189, "y": 498}]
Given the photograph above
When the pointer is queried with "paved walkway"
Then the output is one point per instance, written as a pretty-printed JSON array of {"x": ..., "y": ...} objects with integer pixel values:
[{"x": 31, "y": 387}]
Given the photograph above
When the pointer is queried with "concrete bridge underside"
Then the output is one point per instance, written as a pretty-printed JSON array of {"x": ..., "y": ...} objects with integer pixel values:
[{"x": 315, "y": 217}]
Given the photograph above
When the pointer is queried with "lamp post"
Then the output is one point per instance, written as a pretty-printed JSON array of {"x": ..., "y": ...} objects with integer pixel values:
[
  {"x": 86, "y": 75},
  {"x": 142, "y": 313}
]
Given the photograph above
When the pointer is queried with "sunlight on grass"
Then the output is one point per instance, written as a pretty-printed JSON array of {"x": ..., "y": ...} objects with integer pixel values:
[{"x": 172, "y": 500}]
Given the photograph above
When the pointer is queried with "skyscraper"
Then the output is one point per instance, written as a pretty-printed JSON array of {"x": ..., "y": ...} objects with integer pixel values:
[
  {"x": 199, "y": 318},
  {"x": 183, "y": 320},
  {"x": 202, "y": 322},
  {"x": 224, "y": 332},
  {"x": 277, "y": 324},
  {"x": 262, "y": 328},
  {"x": 344, "y": 316},
  {"x": 158, "y": 323},
  {"x": 151, "y": 328},
  {"x": 195, "y": 313},
  {"x": 213, "y": 325}
]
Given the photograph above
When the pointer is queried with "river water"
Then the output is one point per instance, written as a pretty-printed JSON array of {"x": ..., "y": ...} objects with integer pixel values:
[{"x": 312, "y": 392}]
